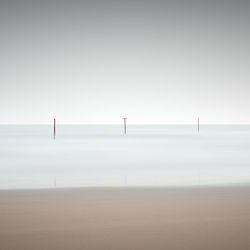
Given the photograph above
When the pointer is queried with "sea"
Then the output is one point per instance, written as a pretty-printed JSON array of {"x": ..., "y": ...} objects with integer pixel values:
[{"x": 103, "y": 156}]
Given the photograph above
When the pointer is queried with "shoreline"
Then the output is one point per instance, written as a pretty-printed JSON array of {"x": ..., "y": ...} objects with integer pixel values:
[
  {"x": 198, "y": 186},
  {"x": 125, "y": 218}
]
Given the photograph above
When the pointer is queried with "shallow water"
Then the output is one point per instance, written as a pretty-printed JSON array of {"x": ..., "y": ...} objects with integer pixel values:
[{"x": 100, "y": 155}]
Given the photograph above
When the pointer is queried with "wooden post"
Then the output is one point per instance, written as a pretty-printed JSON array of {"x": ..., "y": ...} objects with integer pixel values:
[
  {"x": 125, "y": 125},
  {"x": 54, "y": 129}
]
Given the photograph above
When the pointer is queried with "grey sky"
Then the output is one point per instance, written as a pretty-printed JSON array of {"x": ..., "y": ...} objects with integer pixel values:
[{"x": 96, "y": 61}]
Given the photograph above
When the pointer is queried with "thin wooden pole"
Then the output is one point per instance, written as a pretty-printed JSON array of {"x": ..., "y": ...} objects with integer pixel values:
[
  {"x": 125, "y": 125},
  {"x": 54, "y": 129}
]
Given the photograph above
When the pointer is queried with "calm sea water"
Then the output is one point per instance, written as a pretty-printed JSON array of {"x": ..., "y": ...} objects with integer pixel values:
[{"x": 100, "y": 155}]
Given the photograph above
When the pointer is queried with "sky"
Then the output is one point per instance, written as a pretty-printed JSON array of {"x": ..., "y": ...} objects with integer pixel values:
[{"x": 96, "y": 61}]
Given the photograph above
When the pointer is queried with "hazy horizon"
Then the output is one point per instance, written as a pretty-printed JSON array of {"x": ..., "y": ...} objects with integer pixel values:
[{"x": 128, "y": 124}]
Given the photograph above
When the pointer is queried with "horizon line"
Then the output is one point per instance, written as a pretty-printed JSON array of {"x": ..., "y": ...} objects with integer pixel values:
[{"x": 96, "y": 124}]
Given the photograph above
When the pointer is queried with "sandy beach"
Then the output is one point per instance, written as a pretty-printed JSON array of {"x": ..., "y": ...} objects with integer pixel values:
[{"x": 125, "y": 218}]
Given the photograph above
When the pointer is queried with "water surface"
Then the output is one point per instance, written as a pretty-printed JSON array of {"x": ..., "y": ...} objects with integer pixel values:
[{"x": 100, "y": 155}]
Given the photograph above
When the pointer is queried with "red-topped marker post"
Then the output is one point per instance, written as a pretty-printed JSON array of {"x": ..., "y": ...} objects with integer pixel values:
[{"x": 54, "y": 129}]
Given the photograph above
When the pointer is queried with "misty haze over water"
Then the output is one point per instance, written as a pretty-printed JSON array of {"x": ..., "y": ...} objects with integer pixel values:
[{"x": 101, "y": 155}]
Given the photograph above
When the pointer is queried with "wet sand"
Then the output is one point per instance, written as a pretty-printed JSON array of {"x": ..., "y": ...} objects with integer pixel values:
[{"x": 125, "y": 218}]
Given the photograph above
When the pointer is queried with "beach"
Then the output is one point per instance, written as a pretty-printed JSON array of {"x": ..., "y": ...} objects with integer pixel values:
[{"x": 125, "y": 218}]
